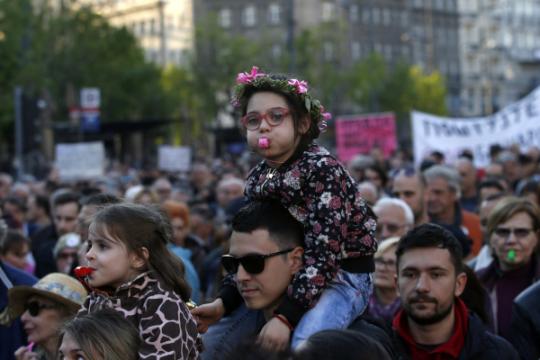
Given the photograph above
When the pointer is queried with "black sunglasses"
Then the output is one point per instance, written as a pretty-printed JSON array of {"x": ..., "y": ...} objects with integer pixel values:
[
  {"x": 35, "y": 307},
  {"x": 252, "y": 263}
]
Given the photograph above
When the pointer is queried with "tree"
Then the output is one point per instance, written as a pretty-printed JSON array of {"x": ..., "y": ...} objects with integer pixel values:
[{"x": 54, "y": 53}]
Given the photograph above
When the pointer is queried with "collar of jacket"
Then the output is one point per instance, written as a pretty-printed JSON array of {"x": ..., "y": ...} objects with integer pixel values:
[{"x": 452, "y": 347}]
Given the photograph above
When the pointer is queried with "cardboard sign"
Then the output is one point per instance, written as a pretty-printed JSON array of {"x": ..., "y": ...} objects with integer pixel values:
[
  {"x": 360, "y": 133},
  {"x": 174, "y": 158},
  {"x": 80, "y": 161}
]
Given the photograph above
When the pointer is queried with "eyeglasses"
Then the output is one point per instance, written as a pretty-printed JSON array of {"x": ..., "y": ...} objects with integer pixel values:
[
  {"x": 519, "y": 233},
  {"x": 392, "y": 228},
  {"x": 382, "y": 262},
  {"x": 65, "y": 256},
  {"x": 273, "y": 116},
  {"x": 252, "y": 263},
  {"x": 35, "y": 307}
]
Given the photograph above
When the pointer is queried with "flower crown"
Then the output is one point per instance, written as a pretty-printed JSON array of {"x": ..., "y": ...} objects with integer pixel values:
[{"x": 257, "y": 78}]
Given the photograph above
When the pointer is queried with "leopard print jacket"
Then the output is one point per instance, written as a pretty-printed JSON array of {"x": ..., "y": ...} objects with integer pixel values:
[{"x": 166, "y": 327}]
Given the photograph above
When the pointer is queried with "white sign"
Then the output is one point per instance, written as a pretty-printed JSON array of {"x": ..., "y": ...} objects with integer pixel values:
[
  {"x": 174, "y": 158},
  {"x": 518, "y": 123},
  {"x": 90, "y": 98},
  {"x": 80, "y": 160}
]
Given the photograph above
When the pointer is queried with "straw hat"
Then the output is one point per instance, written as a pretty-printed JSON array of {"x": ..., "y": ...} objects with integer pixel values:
[{"x": 57, "y": 287}]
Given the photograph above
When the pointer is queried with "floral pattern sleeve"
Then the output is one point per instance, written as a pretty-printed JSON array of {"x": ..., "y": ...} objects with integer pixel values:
[{"x": 319, "y": 192}]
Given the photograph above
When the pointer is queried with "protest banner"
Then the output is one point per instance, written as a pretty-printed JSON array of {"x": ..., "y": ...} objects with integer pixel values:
[
  {"x": 518, "y": 123},
  {"x": 80, "y": 161},
  {"x": 358, "y": 134},
  {"x": 174, "y": 158}
]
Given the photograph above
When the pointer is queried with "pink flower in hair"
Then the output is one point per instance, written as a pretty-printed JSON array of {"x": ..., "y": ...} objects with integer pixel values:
[
  {"x": 300, "y": 85},
  {"x": 247, "y": 78},
  {"x": 326, "y": 116}
]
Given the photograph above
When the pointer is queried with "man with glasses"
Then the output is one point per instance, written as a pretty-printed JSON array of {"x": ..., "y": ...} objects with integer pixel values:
[
  {"x": 394, "y": 218},
  {"x": 266, "y": 248}
]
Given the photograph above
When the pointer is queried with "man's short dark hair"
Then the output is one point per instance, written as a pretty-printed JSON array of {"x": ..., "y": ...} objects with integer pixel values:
[
  {"x": 432, "y": 235},
  {"x": 42, "y": 202},
  {"x": 491, "y": 183},
  {"x": 270, "y": 215},
  {"x": 100, "y": 200},
  {"x": 62, "y": 197}
]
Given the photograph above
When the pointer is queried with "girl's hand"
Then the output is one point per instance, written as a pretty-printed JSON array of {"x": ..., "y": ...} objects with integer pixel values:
[
  {"x": 275, "y": 335},
  {"x": 23, "y": 353},
  {"x": 208, "y": 314}
]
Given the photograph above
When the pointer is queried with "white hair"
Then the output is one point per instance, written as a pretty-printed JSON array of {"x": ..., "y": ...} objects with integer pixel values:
[
  {"x": 447, "y": 173},
  {"x": 386, "y": 202},
  {"x": 231, "y": 181}
]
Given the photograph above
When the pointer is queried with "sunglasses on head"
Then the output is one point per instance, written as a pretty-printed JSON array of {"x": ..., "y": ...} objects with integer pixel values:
[
  {"x": 252, "y": 263},
  {"x": 35, "y": 307},
  {"x": 518, "y": 232},
  {"x": 274, "y": 117}
]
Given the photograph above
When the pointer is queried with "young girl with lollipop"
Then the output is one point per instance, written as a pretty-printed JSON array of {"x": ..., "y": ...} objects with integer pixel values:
[
  {"x": 130, "y": 270},
  {"x": 281, "y": 120}
]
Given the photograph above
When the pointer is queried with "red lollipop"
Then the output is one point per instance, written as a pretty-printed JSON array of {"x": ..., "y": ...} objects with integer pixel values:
[{"x": 82, "y": 273}]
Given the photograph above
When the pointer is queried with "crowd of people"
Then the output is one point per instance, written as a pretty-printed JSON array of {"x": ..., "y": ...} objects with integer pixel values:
[{"x": 284, "y": 253}]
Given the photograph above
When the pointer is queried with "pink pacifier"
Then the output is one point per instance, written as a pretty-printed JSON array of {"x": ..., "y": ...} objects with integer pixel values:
[{"x": 264, "y": 143}]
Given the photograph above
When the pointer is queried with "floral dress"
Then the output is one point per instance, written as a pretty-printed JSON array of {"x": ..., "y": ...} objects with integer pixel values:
[{"x": 338, "y": 225}]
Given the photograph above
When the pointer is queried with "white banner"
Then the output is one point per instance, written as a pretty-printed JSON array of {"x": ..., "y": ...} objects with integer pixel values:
[
  {"x": 174, "y": 158},
  {"x": 518, "y": 123},
  {"x": 80, "y": 160}
]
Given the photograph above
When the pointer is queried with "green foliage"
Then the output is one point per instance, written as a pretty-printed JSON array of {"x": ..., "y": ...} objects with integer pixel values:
[
  {"x": 53, "y": 54},
  {"x": 375, "y": 87}
]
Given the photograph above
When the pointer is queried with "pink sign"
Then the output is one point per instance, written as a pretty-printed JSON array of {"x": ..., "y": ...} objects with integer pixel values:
[{"x": 360, "y": 133}]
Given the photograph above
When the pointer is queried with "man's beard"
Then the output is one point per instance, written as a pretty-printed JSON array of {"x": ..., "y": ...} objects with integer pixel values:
[{"x": 437, "y": 316}]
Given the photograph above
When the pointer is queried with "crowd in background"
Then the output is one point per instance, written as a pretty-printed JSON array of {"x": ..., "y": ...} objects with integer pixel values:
[{"x": 492, "y": 211}]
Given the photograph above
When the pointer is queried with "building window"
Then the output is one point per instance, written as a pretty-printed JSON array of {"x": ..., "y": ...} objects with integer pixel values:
[
  {"x": 388, "y": 52},
  {"x": 274, "y": 14},
  {"x": 142, "y": 28},
  {"x": 328, "y": 51},
  {"x": 225, "y": 16},
  {"x": 355, "y": 50},
  {"x": 376, "y": 16},
  {"x": 404, "y": 19},
  {"x": 276, "y": 51},
  {"x": 249, "y": 16},
  {"x": 152, "y": 29},
  {"x": 386, "y": 17},
  {"x": 328, "y": 11},
  {"x": 353, "y": 13}
]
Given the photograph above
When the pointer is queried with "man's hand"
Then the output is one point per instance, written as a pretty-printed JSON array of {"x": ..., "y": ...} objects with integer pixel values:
[
  {"x": 275, "y": 335},
  {"x": 208, "y": 314}
]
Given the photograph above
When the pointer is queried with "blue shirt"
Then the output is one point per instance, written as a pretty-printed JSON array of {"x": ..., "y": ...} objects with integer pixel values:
[
  {"x": 12, "y": 337},
  {"x": 191, "y": 275}
]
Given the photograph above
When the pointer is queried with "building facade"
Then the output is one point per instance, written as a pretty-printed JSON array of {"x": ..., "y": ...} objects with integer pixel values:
[
  {"x": 164, "y": 28},
  {"x": 500, "y": 53},
  {"x": 420, "y": 32}
]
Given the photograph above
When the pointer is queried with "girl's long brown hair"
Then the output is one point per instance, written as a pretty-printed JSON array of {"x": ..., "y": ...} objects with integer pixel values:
[{"x": 139, "y": 226}]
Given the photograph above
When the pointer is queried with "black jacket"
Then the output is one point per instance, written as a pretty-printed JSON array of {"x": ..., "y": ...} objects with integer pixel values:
[
  {"x": 43, "y": 243},
  {"x": 479, "y": 344},
  {"x": 525, "y": 334}
]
